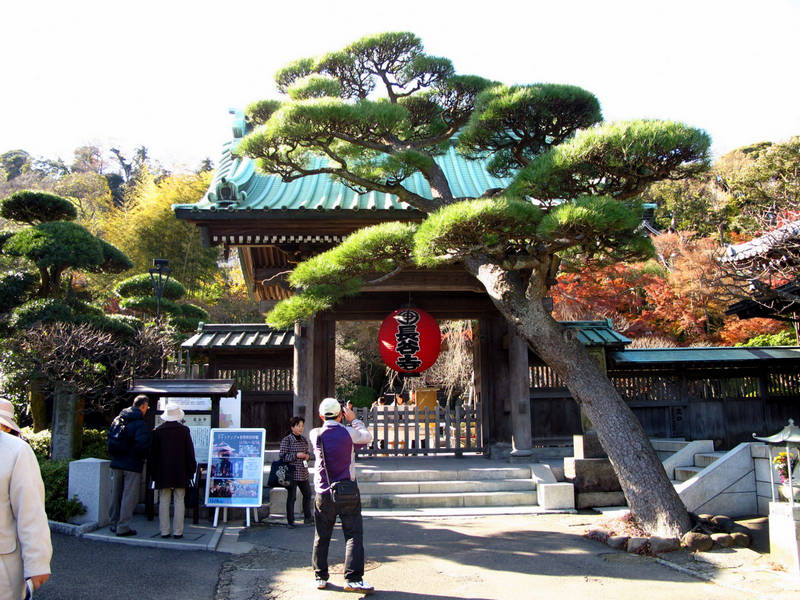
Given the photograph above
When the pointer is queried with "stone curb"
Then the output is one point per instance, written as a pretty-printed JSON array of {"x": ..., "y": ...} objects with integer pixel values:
[
  {"x": 70, "y": 529},
  {"x": 211, "y": 545}
]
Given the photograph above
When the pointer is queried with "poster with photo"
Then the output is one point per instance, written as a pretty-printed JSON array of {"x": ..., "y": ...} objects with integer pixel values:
[{"x": 235, "y": 467}]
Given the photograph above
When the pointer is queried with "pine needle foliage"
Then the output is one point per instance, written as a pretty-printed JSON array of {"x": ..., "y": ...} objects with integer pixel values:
[
  {"x": 618, "y": 159},
  {"x": 32, "y": 207},
  {"x": 495, "y": 226},
  {"x": 142, "y": 285}
]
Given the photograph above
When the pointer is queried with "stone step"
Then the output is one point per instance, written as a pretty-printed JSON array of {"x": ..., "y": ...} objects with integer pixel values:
[
  {"x": 367, "y": 473},
  {"x": 685, "y": 473},
  {"x": 451, "y": 500},
  {"x": 667, "y": 444},
  {"x": 439, "y": 487},
  {"x": 706, "y": 458}
]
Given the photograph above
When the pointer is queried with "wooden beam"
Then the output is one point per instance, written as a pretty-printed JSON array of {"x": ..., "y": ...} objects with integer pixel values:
[
  {"x": 374, "y": 306},
  {"x": 424, "y": 280}
]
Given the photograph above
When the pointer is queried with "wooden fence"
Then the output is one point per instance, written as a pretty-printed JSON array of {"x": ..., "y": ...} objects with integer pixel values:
[
  {"x": 726, "y": 405},
  {"x": 408, "y": 430}
]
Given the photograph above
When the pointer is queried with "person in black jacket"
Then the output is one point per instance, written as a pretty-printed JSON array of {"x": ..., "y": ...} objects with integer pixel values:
[
  {"x": 173, "y": 466},
  {"x": 127, "y": 464}
]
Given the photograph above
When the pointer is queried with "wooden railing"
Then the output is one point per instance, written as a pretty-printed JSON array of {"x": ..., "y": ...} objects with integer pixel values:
[{"x": 409, "y": 430}]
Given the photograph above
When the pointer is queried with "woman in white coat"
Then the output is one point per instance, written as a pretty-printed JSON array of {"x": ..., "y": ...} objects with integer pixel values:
[{"x": 25, "y": 548}]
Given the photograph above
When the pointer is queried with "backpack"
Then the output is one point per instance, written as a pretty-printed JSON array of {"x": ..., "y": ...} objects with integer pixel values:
[{"x": 119, "y": 442}]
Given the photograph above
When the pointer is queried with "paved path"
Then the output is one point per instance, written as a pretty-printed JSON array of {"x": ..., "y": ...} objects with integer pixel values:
[
  {"x": 93, "y": 570},
  {"x": 491, "y": 557},
  {"x": 516, "y": 557}
]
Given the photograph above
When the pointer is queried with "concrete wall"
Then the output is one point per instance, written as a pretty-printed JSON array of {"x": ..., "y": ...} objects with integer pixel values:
[
  {"x": 727, "y": 486},
  {"x": 760, "y": 454}
]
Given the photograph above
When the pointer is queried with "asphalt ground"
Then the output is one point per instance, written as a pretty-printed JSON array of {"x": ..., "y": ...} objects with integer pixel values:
[
  {"x": 92, "y": 570},
  {"x": 489, "y": 557}
]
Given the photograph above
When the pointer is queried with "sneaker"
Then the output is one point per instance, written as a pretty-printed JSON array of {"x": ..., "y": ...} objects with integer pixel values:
[
  {"x": 321, "y": 583},
  {"x": 358, "y": 586}
]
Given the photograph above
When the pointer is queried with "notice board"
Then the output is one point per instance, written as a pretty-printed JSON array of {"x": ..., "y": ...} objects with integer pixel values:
[{"x": 235, "y": 467}]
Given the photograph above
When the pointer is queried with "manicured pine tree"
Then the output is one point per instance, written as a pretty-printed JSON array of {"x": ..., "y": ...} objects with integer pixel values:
[{"x": 585, "y": 176}]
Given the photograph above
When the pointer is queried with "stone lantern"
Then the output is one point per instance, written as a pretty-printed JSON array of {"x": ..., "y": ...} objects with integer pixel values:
[{"x": 784, "y": 517}]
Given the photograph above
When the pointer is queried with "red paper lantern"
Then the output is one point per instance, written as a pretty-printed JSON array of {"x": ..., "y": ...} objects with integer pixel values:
[{"x": 409, "y": 340}]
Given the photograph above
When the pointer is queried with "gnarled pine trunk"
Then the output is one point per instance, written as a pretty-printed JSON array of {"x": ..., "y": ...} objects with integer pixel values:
[{"x": 650, "y": 494}]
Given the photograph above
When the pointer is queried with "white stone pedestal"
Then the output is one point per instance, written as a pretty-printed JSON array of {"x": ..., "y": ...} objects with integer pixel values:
[
  {"x": 784, "y": 536},
  {"x": 90, "y": 481}
]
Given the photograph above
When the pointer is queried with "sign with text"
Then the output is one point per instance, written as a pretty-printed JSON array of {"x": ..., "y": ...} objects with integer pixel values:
[
  {"x": 200, "y": 438},
  {"x": 235, "y": 467}
]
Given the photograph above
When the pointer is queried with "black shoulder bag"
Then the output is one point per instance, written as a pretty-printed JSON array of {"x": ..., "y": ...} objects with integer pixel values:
[{"x": 344, "y": 493}]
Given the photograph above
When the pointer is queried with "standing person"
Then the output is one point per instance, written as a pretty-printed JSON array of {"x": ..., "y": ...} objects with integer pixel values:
[
  {"x": 295, "y": 451},
  {"x": 128, "y": 444},
  {"x": 173, "y": 466},
  {"x": 25, "y": 548},
  {"x": 333, "y": 445}
]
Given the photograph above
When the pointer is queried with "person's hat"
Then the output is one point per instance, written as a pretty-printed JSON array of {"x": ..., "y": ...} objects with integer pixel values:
[
  {"x": 172, "y": 412},
  {"x": 7, "y": 414},
  {"x": 329, "y": 407}
]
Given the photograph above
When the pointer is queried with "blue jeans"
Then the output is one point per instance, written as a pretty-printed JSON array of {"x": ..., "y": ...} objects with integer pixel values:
[{"x": 325, "y": 513}]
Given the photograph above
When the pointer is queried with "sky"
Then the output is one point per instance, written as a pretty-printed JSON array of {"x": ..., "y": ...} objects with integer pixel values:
[{"x": 164, "y": 73}]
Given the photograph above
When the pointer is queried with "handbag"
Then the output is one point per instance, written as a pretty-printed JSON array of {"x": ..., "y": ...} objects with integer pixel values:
[
  {"x": 344, "y": 493},
  {"x": 280, "y": 474}
]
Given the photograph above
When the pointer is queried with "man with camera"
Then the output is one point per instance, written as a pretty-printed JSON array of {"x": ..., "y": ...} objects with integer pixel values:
[{"x": 337, "y": 492}]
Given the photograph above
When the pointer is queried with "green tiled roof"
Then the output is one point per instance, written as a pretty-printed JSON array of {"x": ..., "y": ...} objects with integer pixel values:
[
  {"x": 702, "y": 357},
  {"x": 253, "y": 191},
  {"x": 596, "y": 333}
]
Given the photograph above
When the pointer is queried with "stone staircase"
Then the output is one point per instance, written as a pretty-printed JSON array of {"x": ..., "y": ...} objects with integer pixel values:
[
  {"x": 387, "y": 488},
  {"x": 701, "y": 461}
]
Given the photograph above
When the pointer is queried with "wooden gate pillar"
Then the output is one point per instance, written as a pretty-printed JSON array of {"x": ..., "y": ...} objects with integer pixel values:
[
  {"x": 519, "y": 395},
  {"x": 491, "y": 383},
  {"x": 322, "y": 365},
  {"x": 301, "y": 371}
]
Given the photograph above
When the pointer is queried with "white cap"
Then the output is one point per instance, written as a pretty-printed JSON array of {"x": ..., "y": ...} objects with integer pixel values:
[{"x": 329, "y": 407}]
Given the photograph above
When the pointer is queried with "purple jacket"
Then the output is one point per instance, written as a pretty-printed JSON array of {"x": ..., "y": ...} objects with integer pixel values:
[{"x": 339, "y": 442}]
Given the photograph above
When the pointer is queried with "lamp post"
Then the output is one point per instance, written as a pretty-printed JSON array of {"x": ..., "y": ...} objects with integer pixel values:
[{"x": 159, "y": 275}]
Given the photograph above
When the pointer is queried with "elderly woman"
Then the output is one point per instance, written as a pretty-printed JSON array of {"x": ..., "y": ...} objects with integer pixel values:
[
  {"x": 25, "y": 548},
  {"x": 296, "y": 451},
  {"x": 173, "y": 465}
]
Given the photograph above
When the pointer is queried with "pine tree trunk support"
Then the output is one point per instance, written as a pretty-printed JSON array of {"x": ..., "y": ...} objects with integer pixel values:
[
  {"x": 323, "y": 363},
  {"x": 650, "y": 494},
  {"x": 519, "y": 394}
]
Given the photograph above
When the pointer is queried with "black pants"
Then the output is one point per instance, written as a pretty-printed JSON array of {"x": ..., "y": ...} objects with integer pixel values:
[
  {"x": 325, "y": 513},
  {"x": 305, "y": 489}
]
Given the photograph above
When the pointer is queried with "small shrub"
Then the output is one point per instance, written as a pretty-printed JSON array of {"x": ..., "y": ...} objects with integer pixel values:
[
  {"x": 363, "y": 396},
  {"x": 95, "y": 443},
  {"x": 55, "y": 474},
  {"x": 39, "y": 442}
]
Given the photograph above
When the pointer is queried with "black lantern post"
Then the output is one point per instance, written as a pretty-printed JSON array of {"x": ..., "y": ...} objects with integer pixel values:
[{"x": 159, "y": 275}]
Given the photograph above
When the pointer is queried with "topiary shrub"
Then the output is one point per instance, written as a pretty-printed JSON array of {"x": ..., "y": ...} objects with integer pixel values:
[
  {"x": 14, "y": 288},
  {"x": 46, "y": 310},
  {"x": 28, "y": 206},
  {"x": 142, "y": 285}
]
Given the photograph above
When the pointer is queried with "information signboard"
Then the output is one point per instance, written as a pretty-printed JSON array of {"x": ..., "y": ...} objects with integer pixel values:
[{"x": 235, "y": 467}]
